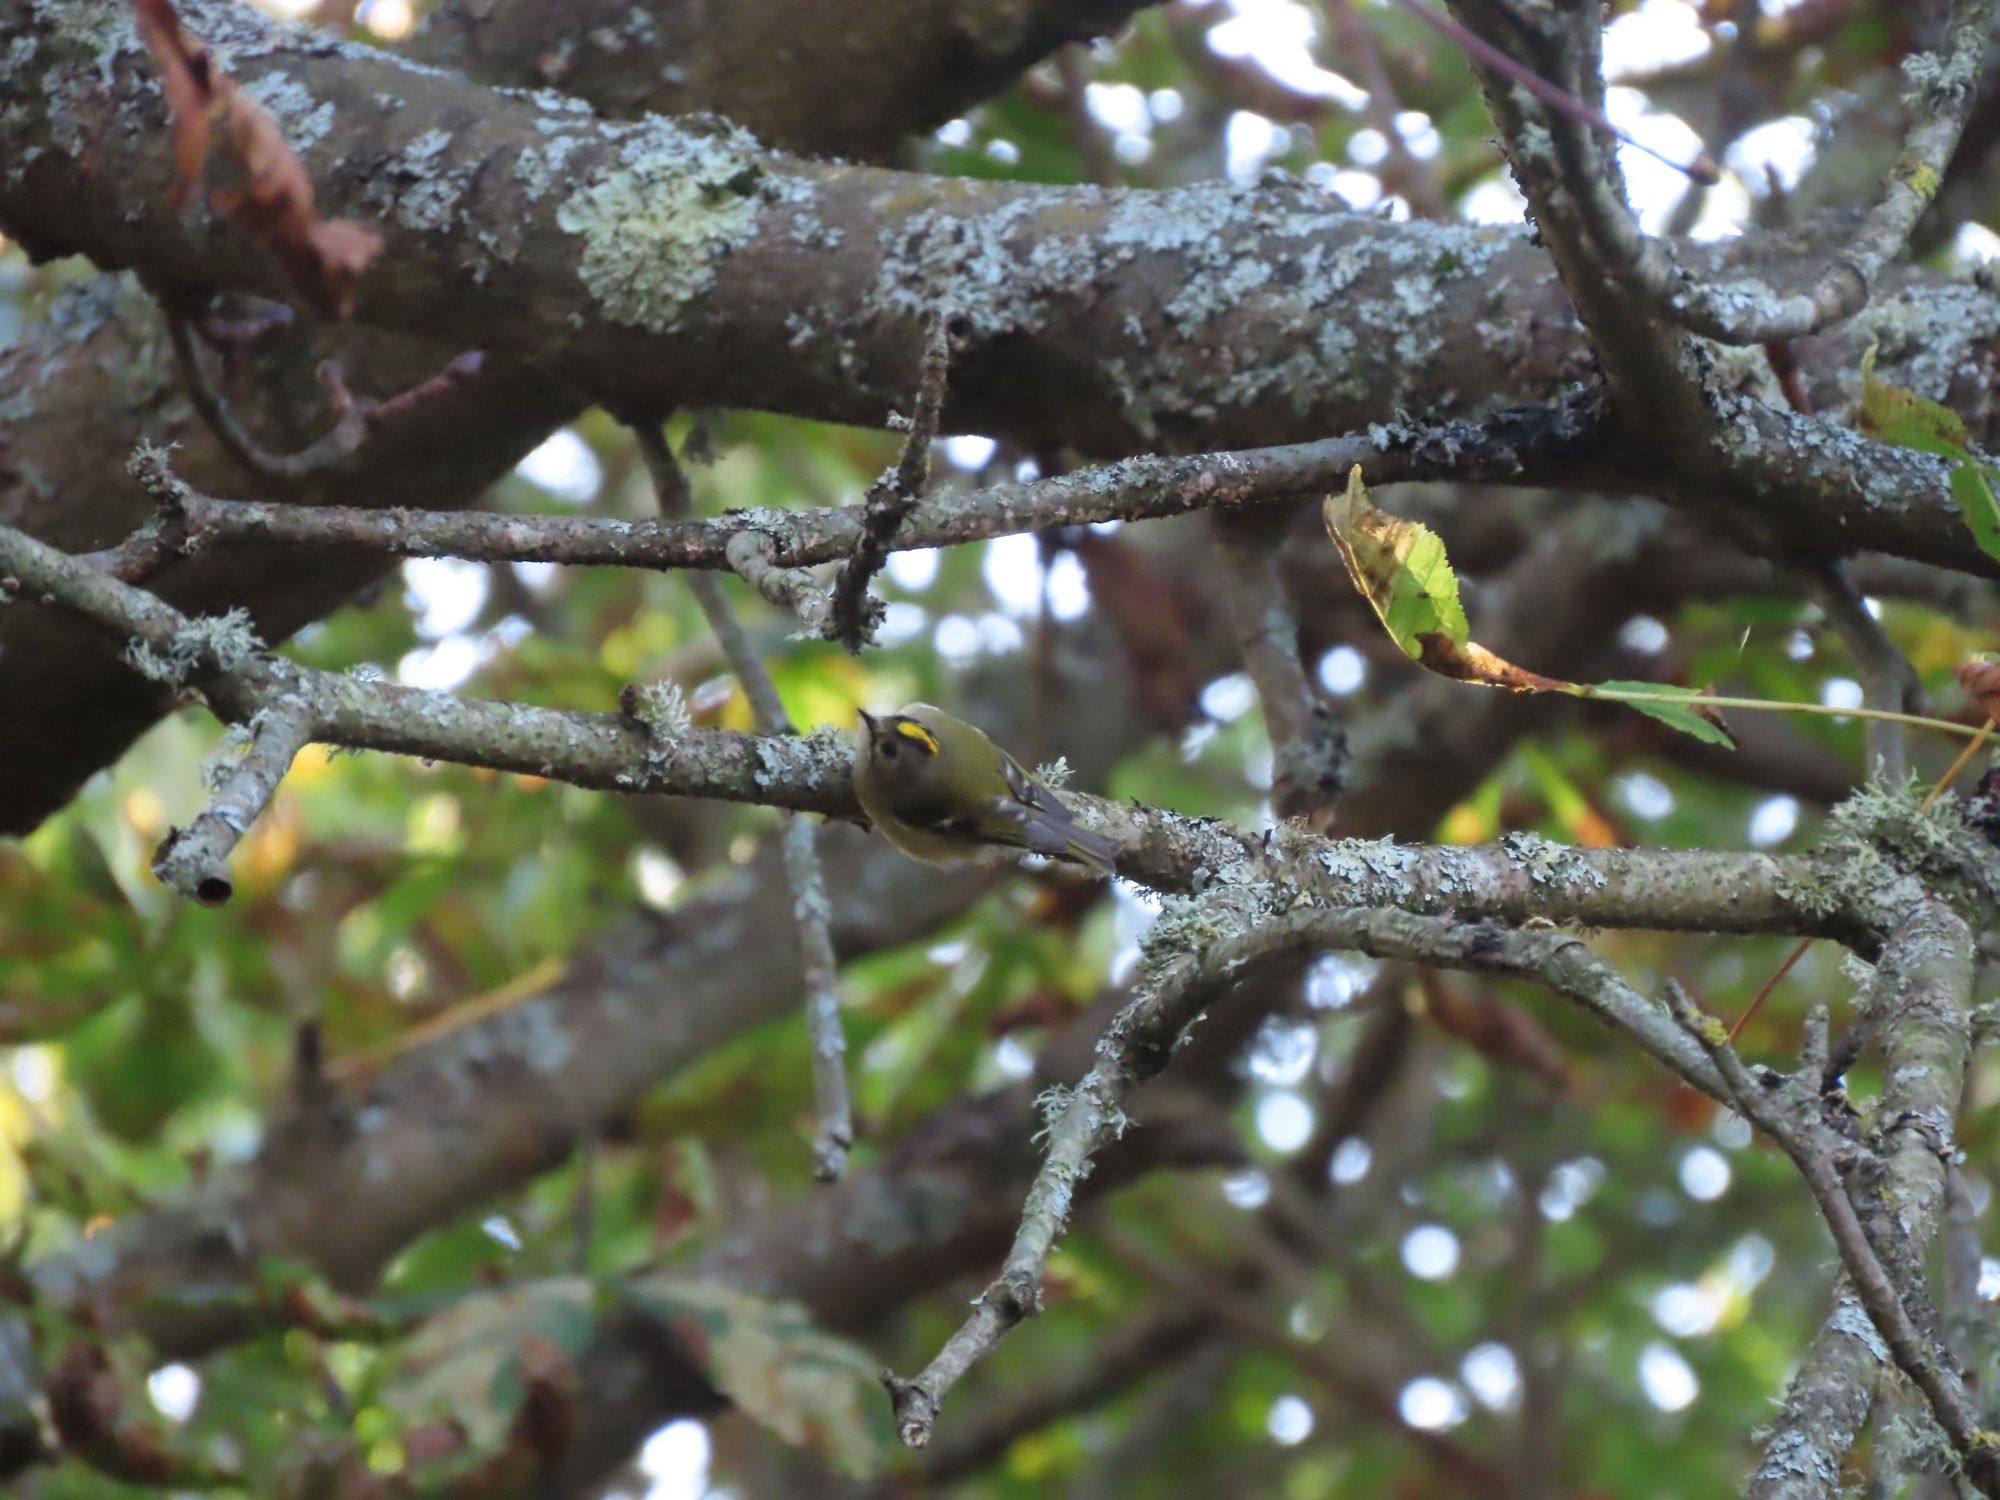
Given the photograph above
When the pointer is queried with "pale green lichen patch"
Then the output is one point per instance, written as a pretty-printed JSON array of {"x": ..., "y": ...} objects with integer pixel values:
[
  {"x": 429, "y": 192},
  {"x": 1331, "y": 306},
  {"x": 662, "y": 708},
  {"x": 1549, "y": 863},
  {"x": 660, "y": 212},
  {"x": 1881, "y": 837},
  {"x": 220, "y": 643}
]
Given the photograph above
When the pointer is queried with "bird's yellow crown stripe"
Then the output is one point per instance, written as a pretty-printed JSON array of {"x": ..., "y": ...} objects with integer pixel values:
[{"x": 910, "y": 729}]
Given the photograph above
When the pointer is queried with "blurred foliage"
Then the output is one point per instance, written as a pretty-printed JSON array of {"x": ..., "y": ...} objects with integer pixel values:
[{"x": 1614, "y": 1228}]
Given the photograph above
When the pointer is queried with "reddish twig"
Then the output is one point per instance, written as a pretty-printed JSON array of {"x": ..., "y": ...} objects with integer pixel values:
[{"x": 1702, "y": 169}]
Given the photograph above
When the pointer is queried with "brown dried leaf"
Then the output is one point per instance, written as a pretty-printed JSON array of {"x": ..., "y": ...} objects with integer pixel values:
[
  {"x": 322, "y": 258},
  {"x": 1980, "y": 678},
  {"x": 1472, "y": 662}
]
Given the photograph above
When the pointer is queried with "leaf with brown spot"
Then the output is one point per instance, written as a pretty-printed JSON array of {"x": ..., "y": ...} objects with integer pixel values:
[
  {"x": 1401, "y": 569},
  {"x": 1468, "y": 661}
]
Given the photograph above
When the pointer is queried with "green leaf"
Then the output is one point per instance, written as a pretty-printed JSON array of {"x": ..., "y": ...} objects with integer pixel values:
[
  {"x": 1399, "y": 567},
  {"x": 1891, "y": 414},
  {"x": 1972, "y": 487},
  {"x": 463, "y": 1366},
  {"x": 1683, "y": 713}
]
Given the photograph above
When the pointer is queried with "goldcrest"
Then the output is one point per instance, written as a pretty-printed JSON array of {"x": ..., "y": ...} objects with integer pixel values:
[{"x": 940, "y": 790}]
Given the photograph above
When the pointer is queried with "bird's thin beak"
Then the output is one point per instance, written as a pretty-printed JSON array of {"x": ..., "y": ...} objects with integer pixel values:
[{"x": 868, "y": 719}]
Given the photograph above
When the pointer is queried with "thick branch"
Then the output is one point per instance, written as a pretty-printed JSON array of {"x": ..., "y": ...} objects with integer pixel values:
[
  {"x": 1088, "y": 317},
  {"x": 893, "y": 67}
]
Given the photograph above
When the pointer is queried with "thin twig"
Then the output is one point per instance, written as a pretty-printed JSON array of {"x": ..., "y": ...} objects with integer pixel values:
[
  {"x": 354, "y": 419},
  {"x": 1144, "y": 1035},
  {"x": 1113, "y": 1362},
  {"x": 750, "y": 555},
  {"x": 1888, "y": 681},
  {"x": 1951, "y": 774},
  {"x": 810, "y": 909},
  {"x": 1757, "y": 1001},
  {"x": 1540, "y": 445},
  {"x": 1561, "y": 100},
  {"x": 892, "y": 497},
  {"x": 164, "y": 536},
  {"x": 195, "y": 860},
  {"x": 1135, "y": 1046}
]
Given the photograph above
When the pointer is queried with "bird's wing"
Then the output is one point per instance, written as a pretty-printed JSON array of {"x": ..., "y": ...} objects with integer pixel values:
[{"x": 1048, "y": 824}]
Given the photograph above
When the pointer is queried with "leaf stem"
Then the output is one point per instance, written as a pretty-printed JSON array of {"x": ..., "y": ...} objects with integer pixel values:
[
  {"x": 1958, "y": 765},
  {"x": 1777, "y": 706}
]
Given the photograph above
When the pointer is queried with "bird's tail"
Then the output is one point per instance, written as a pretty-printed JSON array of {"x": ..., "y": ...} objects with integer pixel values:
[
  {"x": 1093, "y": 849},
  {"x": 1053, "y": 832}
]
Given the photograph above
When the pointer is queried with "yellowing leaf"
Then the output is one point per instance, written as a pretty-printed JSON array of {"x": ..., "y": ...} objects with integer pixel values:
[
  {"x": 1399, "y": 567},
  {"x": 1891, "y": 414}
]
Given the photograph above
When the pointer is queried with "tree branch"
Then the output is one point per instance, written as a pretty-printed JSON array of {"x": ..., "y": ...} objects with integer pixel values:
[
  {"x": 894, "y": 495},
  {"x": 1930, "y": 956},
  {"x": 810, "y": 912},
  {"x": 1180, "y": 981},
  {"x": 1308, "y": 742},
  {"x": 1521, "y": 876},
  {"x": 1533, "y": 445},
  {"x": 1752, "y": 312},
  {"x": 195, "y": 860}
]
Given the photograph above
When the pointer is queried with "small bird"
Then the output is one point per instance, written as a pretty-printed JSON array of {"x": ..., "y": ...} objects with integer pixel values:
[{"x": 940, "y": 790}]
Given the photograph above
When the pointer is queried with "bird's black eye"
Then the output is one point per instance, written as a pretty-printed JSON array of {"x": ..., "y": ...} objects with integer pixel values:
[{"x": 889, "y": 749}]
